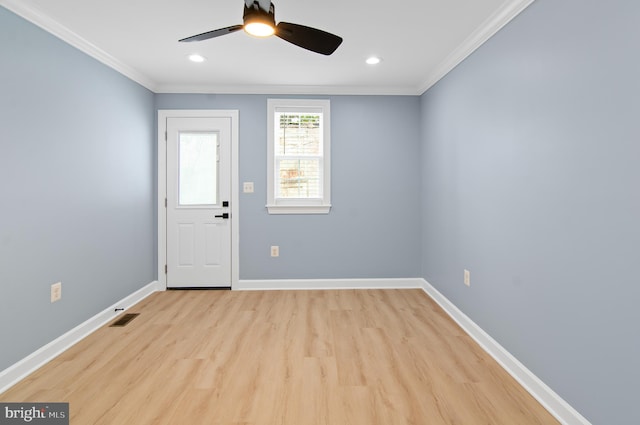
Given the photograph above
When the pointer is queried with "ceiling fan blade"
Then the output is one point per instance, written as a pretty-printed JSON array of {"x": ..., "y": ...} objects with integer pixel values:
[
  {"x": 308, "y": 38},
  {"x": 212, "y": 34}
]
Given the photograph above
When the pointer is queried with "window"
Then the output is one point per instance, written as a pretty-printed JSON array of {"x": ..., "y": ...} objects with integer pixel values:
[{"x": 298, "y": 169}]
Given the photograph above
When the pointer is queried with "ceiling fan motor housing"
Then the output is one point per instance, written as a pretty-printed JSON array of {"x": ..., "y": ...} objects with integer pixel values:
[{"x": 254, "y": 14}]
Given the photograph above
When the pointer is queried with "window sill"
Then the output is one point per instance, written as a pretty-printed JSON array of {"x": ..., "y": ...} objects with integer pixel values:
[{"x": 298, "y": 209}]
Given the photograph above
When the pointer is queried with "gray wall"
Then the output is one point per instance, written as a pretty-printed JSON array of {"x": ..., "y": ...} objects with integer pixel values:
[
  {"x": 530, "y": 158},
  {"x": 370, "y": 231},
  {"x": 76, "y": 187}
]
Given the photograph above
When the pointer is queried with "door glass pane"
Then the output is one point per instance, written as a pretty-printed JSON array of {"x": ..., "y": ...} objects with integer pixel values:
[{"x": 198, "y": 169}]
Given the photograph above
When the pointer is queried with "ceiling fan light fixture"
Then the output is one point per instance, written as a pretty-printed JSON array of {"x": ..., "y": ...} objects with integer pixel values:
[
  {"x": 259, "y": 29},
  {"x": 258, "y": 22}
]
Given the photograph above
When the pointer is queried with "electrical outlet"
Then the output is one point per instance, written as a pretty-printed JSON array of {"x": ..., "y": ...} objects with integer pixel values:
[
  {"x": 467, "y": 277},
  {"x": 275, "y": 251},
  {"x": 56, "y": 292},
  {"x": 247, "y": 187}
]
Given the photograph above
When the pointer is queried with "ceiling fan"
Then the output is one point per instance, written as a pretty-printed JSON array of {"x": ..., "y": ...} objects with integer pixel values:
[{"x": 259, "y": 20}]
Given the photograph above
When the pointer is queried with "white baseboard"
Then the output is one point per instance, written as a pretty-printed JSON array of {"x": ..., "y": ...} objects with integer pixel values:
[
  {"x": 15, "y": 373},
  {"x": 308, "y": 284},
  {"x": 551, "y": 401}
]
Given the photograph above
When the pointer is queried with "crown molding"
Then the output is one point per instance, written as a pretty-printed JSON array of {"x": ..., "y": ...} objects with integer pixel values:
[
  {"x": 501, "y": 17},
  {"x": 41, "y": 20},
  {"x": 289, "y": 89}
]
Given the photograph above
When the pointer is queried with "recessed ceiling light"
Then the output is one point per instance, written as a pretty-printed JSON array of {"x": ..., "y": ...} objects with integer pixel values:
[
  {"x": 196, "y": 58},
  {"x": 373, "y": 60}
]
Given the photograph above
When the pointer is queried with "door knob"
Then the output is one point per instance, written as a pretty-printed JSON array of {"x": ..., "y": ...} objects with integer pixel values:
[{"x": 223, "y": 215}]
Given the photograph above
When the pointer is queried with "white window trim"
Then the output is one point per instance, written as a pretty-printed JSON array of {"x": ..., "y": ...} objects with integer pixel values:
[{"x": 299, "y": 206}]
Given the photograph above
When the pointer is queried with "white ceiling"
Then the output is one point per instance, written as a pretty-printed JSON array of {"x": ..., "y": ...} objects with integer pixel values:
[{"x": 419, "y": 41}]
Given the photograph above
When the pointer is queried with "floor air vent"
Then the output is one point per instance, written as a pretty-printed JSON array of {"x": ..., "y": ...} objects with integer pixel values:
[{"x": 124, "y": 320}]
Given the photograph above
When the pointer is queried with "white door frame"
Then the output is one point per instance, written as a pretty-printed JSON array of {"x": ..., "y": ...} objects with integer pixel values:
[{"x": 163, "y": 114}]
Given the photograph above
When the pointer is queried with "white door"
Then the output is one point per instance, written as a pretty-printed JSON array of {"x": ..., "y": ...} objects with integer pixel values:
[{"x": 198, "y": 196}]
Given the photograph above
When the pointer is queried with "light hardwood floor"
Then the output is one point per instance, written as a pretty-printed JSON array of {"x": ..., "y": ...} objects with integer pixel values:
[{"x": 365, "y": 357}]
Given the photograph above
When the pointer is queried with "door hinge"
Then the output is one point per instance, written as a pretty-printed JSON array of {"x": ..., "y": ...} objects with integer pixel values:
[
  {"x": 166, "y": 269},
  {"x": 165, "y": 202},
  {"x": 165, "y": 136}
]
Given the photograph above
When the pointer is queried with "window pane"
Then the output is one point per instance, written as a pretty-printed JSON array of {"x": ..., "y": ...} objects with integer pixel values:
[
  {"x": 299, "y": 178},
  {"x": 198, "y": 169},
  {"x": 298, "y": 134}
]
